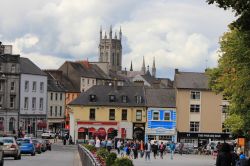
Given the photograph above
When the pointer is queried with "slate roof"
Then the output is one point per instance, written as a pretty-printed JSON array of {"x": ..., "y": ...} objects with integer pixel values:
[
  {"x": 69, "y": 85},
  {"x": 191, "y": 80},
  {"x": 28, "y": 67},
  {"x": 161, "y": 98},
  {"x": 93, "y": 71},
  {"x": 53, "y": 84},
  {"x": 102, "y": 93}
]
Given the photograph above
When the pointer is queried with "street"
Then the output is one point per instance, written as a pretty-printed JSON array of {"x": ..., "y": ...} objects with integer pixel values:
[
  {"x": 59, "y": 156},
  {"x": 184, "y": 160}
]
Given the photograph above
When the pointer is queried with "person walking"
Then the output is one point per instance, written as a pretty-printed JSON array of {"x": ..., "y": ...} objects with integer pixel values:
[
  {"x": 141, "y": 149},
  {"x": 162, "y": 149},
  {"x": 155, "y": 149},
  {"x": 172, "y": 149},
  {"x": 97, "y": 143},
  {"x": 118, "y": 145},
  {"x": 224, "y": 157},
  {"x": 181, "y": 148},
  {"x": 147, "y": 148},
  {"x": 109, "y": 145}
]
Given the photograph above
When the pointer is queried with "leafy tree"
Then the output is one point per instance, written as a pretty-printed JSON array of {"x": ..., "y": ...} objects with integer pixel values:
[
  {"x": 232, "y": 76},
  {"x": 241, "y": 9}
]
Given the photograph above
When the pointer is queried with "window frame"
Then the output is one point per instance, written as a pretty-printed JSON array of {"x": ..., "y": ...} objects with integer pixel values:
[
  {"x": 154, "y": 116},
  {"x": 111, "y": 111},
  {"x": 193, "y": 126},
  {"x": 26, "y": 86},
  {"x": 111, "y": 98},
  {"x": 41, "y": 87},
  {"x": 12, "y": 86},
  {"x": 26, "y": 103},
  {"x": 138, "y": 115},
  {"x": 33, "y": 103},
  {"x": 194, "y": 94},
  {"x": 34, "y": 86},
  {"x": 195, "y": 108},
  {"x": 92, "y": 114},
  {"x": 124, "y": 112},
  {"x": 167, "y": 112},
  {"x": 41, "y": 103},
  {"x": 12, "y": 101}
]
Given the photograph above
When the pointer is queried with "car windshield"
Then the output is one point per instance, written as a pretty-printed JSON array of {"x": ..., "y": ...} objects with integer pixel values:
[
  {"x": 6, "y": 140},
  {"x": 23, "y": 141}
]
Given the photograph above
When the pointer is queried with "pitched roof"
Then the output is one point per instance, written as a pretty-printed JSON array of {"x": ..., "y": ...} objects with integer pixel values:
[
  {"x": 28, "y": 67},
  {"x": 191, "y": 80},
  {"x": 53, "y": 84},
  {"x": 102, "y": 93},
  {"x": 162, "y": 98}
]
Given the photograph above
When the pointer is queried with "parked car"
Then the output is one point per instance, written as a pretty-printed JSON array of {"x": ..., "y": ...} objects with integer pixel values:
[
  {"x": 48, "y": 144},
  {"x": 10, "y": 148},
  {"x": 27, "y": 146},
  {"x": 1, "y": 154},
  {"x": 43, "y": 143},
  {"x": 38, "y": 145},
  {"x": 48, "y": 134}
]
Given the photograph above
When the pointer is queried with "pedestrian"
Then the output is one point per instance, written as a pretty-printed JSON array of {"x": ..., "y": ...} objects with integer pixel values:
[
  {"x": 224, "y": 157},
  {"x": 64, "y": 140},
  {"x": 141, "y": 149},
  {"x": 135, "y": 150},
  {"x": 97, "y": 143},
  {"x": 147, "y": 148},
  {"x": 242, "y": 159},
  {"x": 118, "y": 146},
  {"x": 181, "y": 146},
  {"x": 155, "y": 149},
  {"x": 122, "y": 149},
  {"x": 109, "y": 145},
  {"x": 172, "y": 149},
  {"x": 162, "y": 149}
]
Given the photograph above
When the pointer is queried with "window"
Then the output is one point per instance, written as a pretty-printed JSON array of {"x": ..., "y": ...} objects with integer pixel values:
[
  {"x": 92, "y": 114},
  {"x": 155, "y": 115},
  {"x": 41, "y": 86},
  {"x": 92, "y": 98},
  {"x": 225, "y": 129},
  {"x": 1, "y": 85},
  {"x": 138, "y": 115},
  {"x": 26, "y": 86},
  {"x": 12, "y": 86},
  {"x": 1, "y": 67},
  {"x": 194, "y": 108},
  {"x": 225, "y": 109},
  {"x": 33, "y": 103},
  {"x": 113, "y": 58},
  {"x": 56, "y": 96},
  {"x": 41, "y": 104},
  {"x": 93, "y": 82},
  {"x": 13, "y": 68},
  {"x": 60, "y": 113},
  {"x": 167, "y": 116},
  {"x": 12, "y": 101},
  {"x": 12, "y": 124},
  {"x": 112, "y": 114},
  {"x": 194, "y": 126},
  {"x": 55, "y": 110},
  {"x": 51, "y": 110},
  {"x": 195, "y": 95},
  {"x": 26, "y": 103},
  {"x": 88, "y": 81},
  {"x": 124, "y": 99},
  {"x": 61, "y": 96},
  {"x": 124, "y": 114},
  {"x": 112, "y": 98},
  {"x": 1, "y": 101},
  {"x": 34, "y": 86},
  {"x": 51, "y": 96},
  {"x": 138, "y": 99}
]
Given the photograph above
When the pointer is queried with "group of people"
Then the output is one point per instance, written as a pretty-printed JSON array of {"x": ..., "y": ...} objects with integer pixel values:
[
  {"x": 133, "y": 149},
  {"x": 227, "y": 156}
]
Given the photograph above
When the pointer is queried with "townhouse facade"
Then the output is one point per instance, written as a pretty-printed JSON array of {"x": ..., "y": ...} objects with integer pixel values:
[
  {"x": 102, "y": 109},
  {"x": 33, "y": 100},
  {"x": 161, "y": 115},
  {"x": 9, "y": 90},
  {"x": 199, "y": 109}
]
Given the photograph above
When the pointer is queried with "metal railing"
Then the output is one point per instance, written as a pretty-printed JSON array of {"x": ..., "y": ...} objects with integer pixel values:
[{"x": 87, "y": 157}]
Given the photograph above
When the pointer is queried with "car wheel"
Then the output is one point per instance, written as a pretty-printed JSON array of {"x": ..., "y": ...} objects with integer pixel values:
[
  {"x": 33, "y": 154},
  {"x": 16, "y": 157},
  {"x": 1, "y": 164},
  {"x": 19, "y": 157}
]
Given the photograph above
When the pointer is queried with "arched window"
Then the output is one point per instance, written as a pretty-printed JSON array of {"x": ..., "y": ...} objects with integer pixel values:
[
  {"x": 1, "y": 124},
  {"x": 12, "y": 124}
]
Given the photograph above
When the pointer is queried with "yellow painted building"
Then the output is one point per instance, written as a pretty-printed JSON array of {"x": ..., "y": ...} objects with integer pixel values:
[{"x": 102, "y": 109}]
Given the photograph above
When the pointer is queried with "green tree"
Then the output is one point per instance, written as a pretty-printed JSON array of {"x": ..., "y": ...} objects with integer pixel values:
[
  {"x": 241, "y": 9},
  {"x": 232, "y": 76}
]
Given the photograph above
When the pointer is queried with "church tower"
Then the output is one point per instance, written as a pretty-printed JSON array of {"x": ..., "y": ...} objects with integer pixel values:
[{"x": 110, "y": 50}]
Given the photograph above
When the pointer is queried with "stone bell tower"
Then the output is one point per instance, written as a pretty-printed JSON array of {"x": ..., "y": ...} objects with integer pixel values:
[{"x": 110, "y": 50}]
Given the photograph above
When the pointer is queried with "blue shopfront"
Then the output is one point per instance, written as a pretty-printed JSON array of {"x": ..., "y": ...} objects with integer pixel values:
[{"x": 161, "y": 124}]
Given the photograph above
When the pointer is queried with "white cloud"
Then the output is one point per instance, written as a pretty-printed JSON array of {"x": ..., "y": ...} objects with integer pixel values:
[{"x": 180, "y": 34}]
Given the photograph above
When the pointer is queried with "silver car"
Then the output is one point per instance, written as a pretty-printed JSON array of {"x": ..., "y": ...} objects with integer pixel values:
[{"x": 10, "y": 148}]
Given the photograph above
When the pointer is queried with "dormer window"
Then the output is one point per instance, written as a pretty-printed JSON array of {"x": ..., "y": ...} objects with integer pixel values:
[
  {"x": 92, "y": 98},
  {"x": 138, "y": 99},
  {"x": 124, "y": 99},
  {"x": 112, "y": 98}
]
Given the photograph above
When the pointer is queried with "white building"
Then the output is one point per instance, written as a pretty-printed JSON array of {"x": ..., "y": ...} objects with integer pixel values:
[{"x": 33, "y": 97}]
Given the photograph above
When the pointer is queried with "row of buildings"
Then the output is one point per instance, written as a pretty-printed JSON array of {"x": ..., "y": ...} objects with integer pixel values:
[{"x": 95, "y": 98}]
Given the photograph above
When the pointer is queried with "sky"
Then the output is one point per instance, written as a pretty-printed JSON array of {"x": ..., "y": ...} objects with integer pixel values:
[{"x": 181, "y": 34}]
